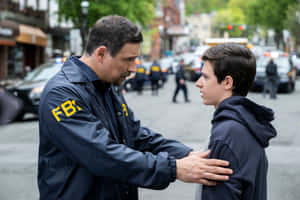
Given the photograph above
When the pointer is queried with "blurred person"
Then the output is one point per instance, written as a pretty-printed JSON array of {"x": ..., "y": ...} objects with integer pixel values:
[
  {"x": 10, "y": 107},
  {"x": 241, "y": 129},
  {"x": 271, "y": 82},
  {"x": 155, "y": 76},
  {"x": 180, "y": 82},
  {"x": 140, "y": 76},
  {"x": 91, "y": 144}
]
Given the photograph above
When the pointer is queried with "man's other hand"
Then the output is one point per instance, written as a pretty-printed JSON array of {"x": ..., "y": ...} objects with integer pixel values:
[{"x": 196, "y": 168}]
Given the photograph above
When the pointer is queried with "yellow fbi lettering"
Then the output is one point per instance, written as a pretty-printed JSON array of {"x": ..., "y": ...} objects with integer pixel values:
[
  {"x": 68, "y": 108},
  {"x": 155, "y": 68},
  {"x": 125, "y": 109}
]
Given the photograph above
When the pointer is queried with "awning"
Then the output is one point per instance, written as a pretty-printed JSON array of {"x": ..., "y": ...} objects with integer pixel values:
[
  {"x": 8, "y": 32},
  {"x": 177, "y": 30},
  {"x": 32, "y": 35}
]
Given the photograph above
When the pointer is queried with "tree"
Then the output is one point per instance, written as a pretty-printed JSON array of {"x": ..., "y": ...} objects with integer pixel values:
[
  {"x": 141, "y": 11},
  {"x": 229, "y": 16},
  {"x": 204, "y": 6},
  {"x": 271, "y": 14},
  {"x": 293, "y": 22}
]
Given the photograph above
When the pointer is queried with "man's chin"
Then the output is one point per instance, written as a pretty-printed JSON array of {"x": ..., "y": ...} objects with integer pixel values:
[{"x": 118, "y": 82}]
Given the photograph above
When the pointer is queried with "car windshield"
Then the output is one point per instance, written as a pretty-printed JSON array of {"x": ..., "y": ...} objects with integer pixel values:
[
  {"x": 44, "y": 72},
  {"x": 165, "y": 62},
  {"x": 281, "y": 62}
]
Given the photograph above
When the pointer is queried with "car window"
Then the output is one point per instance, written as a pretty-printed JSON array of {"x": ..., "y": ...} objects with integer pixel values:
[
  {"x": 281, "y": 62},
  {"x": 44, "y": 72}
]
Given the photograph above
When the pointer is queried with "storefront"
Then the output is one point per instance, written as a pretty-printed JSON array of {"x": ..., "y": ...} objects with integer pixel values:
[
  {"x": 8, "y": 32},
  {"x": 22, "y": 47},
  {"x": 31, "y": 43}
]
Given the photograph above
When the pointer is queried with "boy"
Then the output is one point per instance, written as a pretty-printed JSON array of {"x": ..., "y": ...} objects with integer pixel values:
[{"x": 241, "y": 129}]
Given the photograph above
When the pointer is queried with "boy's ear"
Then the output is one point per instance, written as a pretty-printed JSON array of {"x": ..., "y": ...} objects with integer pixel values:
[{"x": 228, "y": 83}]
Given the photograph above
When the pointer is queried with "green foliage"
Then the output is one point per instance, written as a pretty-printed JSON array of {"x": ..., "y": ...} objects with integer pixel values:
[
  {"x": 232, "y": 16},
  {"x": 270, "y": 13},
  {"x": 141, "y": 11},
  {"x": 204, "y": 6},
  {"x": 293, "y": 21}
]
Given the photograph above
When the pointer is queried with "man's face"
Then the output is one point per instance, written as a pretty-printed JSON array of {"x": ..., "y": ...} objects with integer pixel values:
[
  {"x": 212, "y": 92},
  {"x": 120, "y": 66}
]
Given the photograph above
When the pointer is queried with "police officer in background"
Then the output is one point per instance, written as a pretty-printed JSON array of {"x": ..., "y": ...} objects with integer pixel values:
[
  {"x": 180, "y": 82},
  {"x": 91, "y": 144},
  {"x": 271, "y": 82},
  {"x": 140, "y": 76},
  {"x": 155, "y": 76}
]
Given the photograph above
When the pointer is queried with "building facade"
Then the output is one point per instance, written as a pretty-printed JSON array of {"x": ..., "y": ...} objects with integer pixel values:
[
  {"x": 169, "y": 22},
  {"x": 22, "y": 37}
]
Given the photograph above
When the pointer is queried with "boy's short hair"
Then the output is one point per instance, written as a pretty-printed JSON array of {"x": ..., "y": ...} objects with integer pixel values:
[
  {"x": 114, "y": 32},
  {"x": 233, "y": 60}
]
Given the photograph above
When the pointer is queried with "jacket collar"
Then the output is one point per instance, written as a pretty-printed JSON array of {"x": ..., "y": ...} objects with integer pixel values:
[{"x": 78, "y": 72}]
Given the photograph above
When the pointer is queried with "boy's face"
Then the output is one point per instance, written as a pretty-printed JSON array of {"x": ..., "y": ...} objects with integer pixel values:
[{"x": 212, "y": 92}]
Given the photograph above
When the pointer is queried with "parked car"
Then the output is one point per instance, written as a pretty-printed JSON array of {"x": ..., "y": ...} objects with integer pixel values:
[
  {"x": 286, "y": 72},
  {"x": 31, "y": 87}
]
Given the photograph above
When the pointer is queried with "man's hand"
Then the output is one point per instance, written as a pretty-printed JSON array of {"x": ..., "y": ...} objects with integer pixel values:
[
  {"x": 181, "y": 81},
  {"x": 196, "y": 168}
]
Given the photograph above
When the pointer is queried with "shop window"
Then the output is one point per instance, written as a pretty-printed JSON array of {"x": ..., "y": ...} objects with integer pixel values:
[{"x": 15, "y": 61}]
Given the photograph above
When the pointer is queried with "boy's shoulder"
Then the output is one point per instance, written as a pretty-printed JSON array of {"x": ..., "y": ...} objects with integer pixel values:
[{"x": 229, "y": 129}]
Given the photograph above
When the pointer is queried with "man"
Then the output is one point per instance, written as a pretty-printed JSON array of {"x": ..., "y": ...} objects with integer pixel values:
[
  {"x": 91, "y": 145},
  {"x": 180, "y": 82},
  {"x": 272, "y": 78},
  {"x": 241, "y": 129},
  {"x": 140, "y": 76},
  {"x": 155, "y": 76}
]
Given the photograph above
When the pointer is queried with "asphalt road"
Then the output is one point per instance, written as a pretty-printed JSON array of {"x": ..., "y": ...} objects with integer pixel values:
[{"x": 188, "y": 123}]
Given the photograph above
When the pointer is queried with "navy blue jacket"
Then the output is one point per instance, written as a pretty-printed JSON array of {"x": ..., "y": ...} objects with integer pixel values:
[
  {"x": 140, "y": 74},
  {"x": 155, "y": 72},
  {"x": 80, "y": 157},
  {"x": 241, "y": 130},
  {"x": 179, "y": 74}
]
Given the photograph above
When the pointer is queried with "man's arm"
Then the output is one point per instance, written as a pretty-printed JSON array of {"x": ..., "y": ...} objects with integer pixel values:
[
  {"x": 81, "y": 136},
  {"x": 197, "y": 168},
  {"x": 193, "y": 168}
]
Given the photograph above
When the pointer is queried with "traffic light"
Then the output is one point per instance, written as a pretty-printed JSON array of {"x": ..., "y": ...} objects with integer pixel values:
[
  {"x": 229, "y": 27},
  {"x": 241, "y": 27}
]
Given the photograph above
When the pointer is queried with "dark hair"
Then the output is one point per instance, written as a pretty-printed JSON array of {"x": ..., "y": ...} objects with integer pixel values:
[
  {"x": 113, "y": 32},
  {"x": 233, "y": 60}
]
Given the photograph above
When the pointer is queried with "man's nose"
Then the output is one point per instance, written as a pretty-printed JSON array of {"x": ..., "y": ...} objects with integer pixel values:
[{"x": 132, "y": 68}]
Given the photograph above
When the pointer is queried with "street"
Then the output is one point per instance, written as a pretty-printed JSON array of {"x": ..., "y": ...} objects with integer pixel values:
[{"x": 188, "y": 123}]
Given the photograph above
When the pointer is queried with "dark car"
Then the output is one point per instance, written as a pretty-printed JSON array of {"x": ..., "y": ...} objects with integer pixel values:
[
  {"x": 286, "y": 72},
  {"x": 31, "y": 87}
]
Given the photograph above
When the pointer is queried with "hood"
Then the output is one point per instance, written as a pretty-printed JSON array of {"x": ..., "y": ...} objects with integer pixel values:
[{"x": 256, "y": 118}]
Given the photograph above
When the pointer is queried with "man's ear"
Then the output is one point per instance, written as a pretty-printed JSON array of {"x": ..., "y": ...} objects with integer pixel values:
[
  {"x": 100, "y": 53},
  {"x": 228, "y": 83}
]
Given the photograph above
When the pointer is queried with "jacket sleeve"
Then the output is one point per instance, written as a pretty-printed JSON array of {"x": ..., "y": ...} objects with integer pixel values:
[
  {"x": 147, "y": 140},
  {"x": 227, "y": 190},
  {"x": 67, "y": 122}
]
